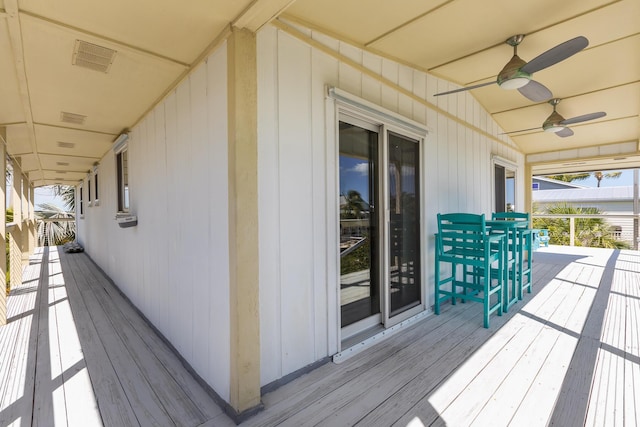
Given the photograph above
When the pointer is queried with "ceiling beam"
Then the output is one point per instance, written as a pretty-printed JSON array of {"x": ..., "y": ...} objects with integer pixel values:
[
  {"x": 15, "y": 37},
  {"x": 260, "y": 12}
]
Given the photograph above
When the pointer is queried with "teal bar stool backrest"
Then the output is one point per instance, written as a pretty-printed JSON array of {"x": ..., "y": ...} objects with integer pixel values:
[
  {"x": 512, "y": 216},
  {"x": 461, "y": 235}
]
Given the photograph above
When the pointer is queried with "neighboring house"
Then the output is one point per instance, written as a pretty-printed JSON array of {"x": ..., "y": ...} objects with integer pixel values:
[
  {"x": 541, "y": 183},
  {"x": 177, "y": 174},
  {"x": 608, "y": 200}
]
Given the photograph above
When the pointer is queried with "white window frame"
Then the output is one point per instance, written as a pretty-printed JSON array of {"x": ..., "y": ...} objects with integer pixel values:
[
  {"x": 89, "y": 201},
  {"x": 81, "y": 199},
  {"x": 96, "y": 184},
  {"x": 118, "y": 151}
]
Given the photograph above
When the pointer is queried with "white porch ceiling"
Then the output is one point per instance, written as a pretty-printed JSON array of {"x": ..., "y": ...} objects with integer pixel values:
[{"x": 157, "y": 42}]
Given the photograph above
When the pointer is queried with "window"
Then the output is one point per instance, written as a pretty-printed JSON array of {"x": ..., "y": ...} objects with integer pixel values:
[
  {"x": 81, "y": 202},
  {"x": 89, "y": 191},
  {"x": 122, "y": 165},
  {"x": 95, "y": 184},
  {"x": 617, "y": 232}
]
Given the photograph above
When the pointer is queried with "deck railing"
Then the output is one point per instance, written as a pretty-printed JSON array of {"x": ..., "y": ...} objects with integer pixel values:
[{"x": 630, "y": 236}]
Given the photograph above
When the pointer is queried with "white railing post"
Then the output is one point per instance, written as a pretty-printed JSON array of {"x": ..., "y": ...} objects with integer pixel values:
[{"x": 572, "y": 231}]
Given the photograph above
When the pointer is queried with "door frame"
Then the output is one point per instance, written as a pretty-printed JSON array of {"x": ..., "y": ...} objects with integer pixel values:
[
  {"x": 507, "y": 165},
  {"x": 351, "y": 107}
]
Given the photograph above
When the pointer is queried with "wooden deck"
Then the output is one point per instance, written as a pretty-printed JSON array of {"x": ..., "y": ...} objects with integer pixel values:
[
  {"x": 567, "y": 356},
  {"x": 74, "y": 352}
]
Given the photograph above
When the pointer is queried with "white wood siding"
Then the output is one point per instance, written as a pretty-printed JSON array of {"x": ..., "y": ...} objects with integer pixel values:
[
  {"x": 174, "y": 266},
  {"x": 298, "y": 188}
]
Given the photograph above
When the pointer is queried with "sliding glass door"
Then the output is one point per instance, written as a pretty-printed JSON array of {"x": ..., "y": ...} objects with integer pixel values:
[
  {"x": 404, "y": 223},
  {"x": 359, "y": 247},
  {"x": 380, "y": 269},
  {"x": 505, "y": 188}
]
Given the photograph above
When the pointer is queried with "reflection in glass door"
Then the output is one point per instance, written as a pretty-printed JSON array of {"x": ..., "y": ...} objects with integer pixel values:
[
  {"x": 404, "y": 224},
  {"x": 359, "y": 245}
]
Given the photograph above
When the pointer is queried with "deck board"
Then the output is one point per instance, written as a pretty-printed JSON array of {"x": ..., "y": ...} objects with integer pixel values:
[
  {"x": 518, "y": 372},
  {"x": 149, "y": 346},
  {"x": 80, "y": 354},
  {"x": 568, "y": 354}
]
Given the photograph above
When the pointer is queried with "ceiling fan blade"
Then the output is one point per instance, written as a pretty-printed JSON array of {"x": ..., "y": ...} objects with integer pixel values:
[
  {"x": 465, "y": 88},
  {"x": 583, "y": 118},
  {"x": 521, "y": 130},
  {"x": 536, "y": 92},
  {"x": 556, "y": 54},
  {"x": 564, "y": 133}
]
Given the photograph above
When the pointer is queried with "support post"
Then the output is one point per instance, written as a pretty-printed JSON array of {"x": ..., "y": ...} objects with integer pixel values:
[
  {"x": 26, "y": 219},
  {"x": 528, "y": 189},
  {"x": 243, "y": 222},
  {"x": 32, "y": 219},
  {"x": 636, "y": 209},
  {"x": 15, "y": 236},
  {"x": 3, "y": 228}
]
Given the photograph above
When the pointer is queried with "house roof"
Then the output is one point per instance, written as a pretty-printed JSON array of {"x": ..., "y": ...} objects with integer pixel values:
[
  {"x": 590, "y": 194},
  {"x": 60, "y": 118},
  {"x": 558, "y": 182}
]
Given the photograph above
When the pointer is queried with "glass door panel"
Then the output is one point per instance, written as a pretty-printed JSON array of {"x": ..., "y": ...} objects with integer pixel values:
[
  {"x": 404, "y": 224},
  {"x": 359, "y": 246},
  {"x": 505, "y": 189}
]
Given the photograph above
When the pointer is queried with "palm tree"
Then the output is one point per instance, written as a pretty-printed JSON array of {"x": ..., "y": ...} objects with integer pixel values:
[
  {"x": 68, "y": 195},
  {"x": 589, "y": 232},
  {"x": 598, "y": 175},
  {"x": 54, "y": 232},
  {"x": 353, "y": 205}
]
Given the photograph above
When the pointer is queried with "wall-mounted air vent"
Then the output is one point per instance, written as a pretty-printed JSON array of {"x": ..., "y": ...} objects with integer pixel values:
[
  {"x": 76, "y": 119},
  {"x": 63, "y": 144},
  {"x": 62, "y": 163},
  {"x": 92, "y": 56},
  {"x": 61, "y": 173}
]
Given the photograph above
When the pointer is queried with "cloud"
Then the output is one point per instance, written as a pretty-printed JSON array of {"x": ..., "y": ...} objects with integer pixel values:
[{"x": 361, "y": 168}]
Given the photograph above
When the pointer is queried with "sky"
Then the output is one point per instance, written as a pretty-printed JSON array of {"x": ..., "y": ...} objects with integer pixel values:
[
  {"x": 46, "y": 195},
  {"x": 625, "y": 179}
]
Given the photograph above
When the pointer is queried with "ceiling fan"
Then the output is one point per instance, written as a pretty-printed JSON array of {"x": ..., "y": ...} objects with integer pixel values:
[
  {"x": 517, "y": 73},
  {"x": 557, "y": 124}
]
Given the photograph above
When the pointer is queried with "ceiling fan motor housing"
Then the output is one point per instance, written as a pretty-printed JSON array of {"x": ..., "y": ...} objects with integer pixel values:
[
  {"x": 511, "y": 76},
  {"x": 552, "y": 124}
]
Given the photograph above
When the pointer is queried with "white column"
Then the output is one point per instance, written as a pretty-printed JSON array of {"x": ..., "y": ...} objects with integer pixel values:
[
  {"x": 15, "y": 237},
  {"x": 243, "y": 221},
  {"x": 3, "y": 228}
]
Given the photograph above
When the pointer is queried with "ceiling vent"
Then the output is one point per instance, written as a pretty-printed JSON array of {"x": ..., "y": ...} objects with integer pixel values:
[
  {"x": 62, "y": 163},
  {"x": 92, "y": 56},
  {"x": 63, "y": 144},
  {"x": 76, "y": 119}
]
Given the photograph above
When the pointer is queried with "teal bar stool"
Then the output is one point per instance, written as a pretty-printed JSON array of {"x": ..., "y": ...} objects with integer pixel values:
[
  {"x": 476, "y": 259},
  {"x": 524, "y": 248}
]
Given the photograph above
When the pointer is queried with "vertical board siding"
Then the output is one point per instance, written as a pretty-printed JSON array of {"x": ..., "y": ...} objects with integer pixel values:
[
  {"x": 174, "y": 265},
  {"x": 269, "y": 205},
  {"x": 296, "y": 213},
  {"x": 299, "y": 304},
  {"x": 217, "y": 195}
]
